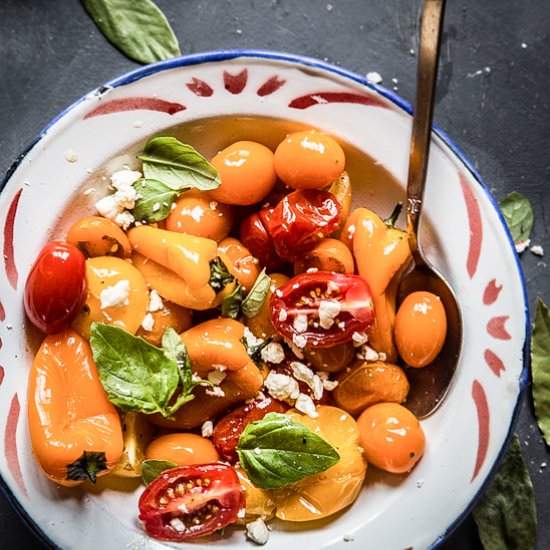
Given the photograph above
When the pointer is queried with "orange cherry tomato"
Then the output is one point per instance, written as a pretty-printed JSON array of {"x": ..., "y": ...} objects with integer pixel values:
[
  {"x": 246, "y": 171},
  {"x": 391, "y": 436},
  {"x": 309, "y": 160},
  {"x": 197, "y": 213},
  {"x": 420, "y": 328},
  {"x": 97, "y": 236},
  {"x": 243, "y": 266},
  {"x": 184, "y": 449}
]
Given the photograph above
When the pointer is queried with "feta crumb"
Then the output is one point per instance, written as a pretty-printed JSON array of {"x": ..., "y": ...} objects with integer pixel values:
[
  {"x": 299, "y": 340},
  {"x": 124, "y": 178},
  {"x": 70, "y": 156},
  {"x": 374, "y": 77},
  {"x": 305, "y": 404},
  {"x": 107, "y": 207},
  {"x": 294, "y": 348},
  {"x": 177, "y": 525},
  {"x": 537, "y": 250},
  {"x": 155, "y": 302},
  {"x": 216, "y": 391},
  {"x": 300, "y": 322},
  {"x": 148, "y": 322},
  {"x": 257, "y": 531},
  {"x": 304, "y": 374},
  {"x": 207, "y": 428},
  {"x": 359, "y": 338},
  {"x": 283, "y": 315},
  {"x": 251, "y": 340},
  {"x": 116, "y": 295},
  {"x": 273, "y": 353},
  {"x": 328, "y": 311},
  {"x": 521, "y": 246},
  {"x": 282, "y": 386},
  {"x": 382, "y": 356},
  {"x": 366, "y": 353},
  {"x": 216, "y": 377},
  {"x": 124, "y": 219}
]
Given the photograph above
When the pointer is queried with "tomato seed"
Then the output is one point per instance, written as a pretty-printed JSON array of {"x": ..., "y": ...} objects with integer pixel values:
[{"x": 180, "y": 489}]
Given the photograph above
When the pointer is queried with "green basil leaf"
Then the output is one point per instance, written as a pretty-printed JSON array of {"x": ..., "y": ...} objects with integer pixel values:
[
  {"x": 173, "y": 345},
  {"x": 154, "y": 202},
  {"x": 178, "y": 165},
  {"x": 136, "y": 27},
  {"x": 277, "y": 450},
  {"x": 506, "y": 515},
  {"x": 231, "y": 304},
  {"x": 136, "y": 375},
  {"x": 151, "y": 469},
  {"x": 219, "y": 274},
  {"x": 540, "y": 368},
  {"x": 256, "y": 297},
  {"x": 518, "y": 213}
]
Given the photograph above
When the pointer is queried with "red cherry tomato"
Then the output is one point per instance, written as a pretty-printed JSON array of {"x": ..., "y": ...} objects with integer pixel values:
[
  {"x": 228, "y": 430},
  {"x": 255, "y": 237},
  {"x": 300, "y": 220},
  {"x": 56, "y": 287},
  {"x": 322, "y": 309},
  {"x": 191, "y": 501}
]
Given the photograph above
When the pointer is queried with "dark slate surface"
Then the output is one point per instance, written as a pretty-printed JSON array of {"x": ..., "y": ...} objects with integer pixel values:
[{"x": 492, "y": 100}]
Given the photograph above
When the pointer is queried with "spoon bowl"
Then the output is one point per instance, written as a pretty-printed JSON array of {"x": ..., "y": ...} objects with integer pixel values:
[{"x": 429, "y": 384}]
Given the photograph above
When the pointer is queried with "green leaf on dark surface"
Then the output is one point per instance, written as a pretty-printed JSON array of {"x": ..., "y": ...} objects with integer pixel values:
[
  {"x": 151, "y": 469},
  {"x": 136, "y": 27},
  {"x": 177, "y": 165},
  {"x": 136, "y": 375},
  {"x": 256, "y": 297},
  {"x": 506, "y": 514},
  {"x": 154, "y": 202},
  {"x": 231, "y": 304},
  {"x": 277, "y": 450},
  {"x": 518, "y": 213},
  {"x": 540, "y": 368}
]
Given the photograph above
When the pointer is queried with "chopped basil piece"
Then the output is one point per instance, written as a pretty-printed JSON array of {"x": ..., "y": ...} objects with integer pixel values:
[
  {"x": 151, "y": 469},
  {"x": 255, "y": 299},
  {"x": 219, "y": 275},
  {"x": 518, "y": 213}
]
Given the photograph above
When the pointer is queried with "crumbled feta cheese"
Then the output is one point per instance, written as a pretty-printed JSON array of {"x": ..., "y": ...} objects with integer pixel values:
[
  {"x": 304, "y": 374},
  {"x": 108, "y": 207},
  {"x": 282, "y": 315},
  {"x": 300, "y": 323},
  {"x": 116, "y": 295},
  {"x": 328, "y": 384},
  {"x": 251, "y": 340},
  {"x": 216, "y": 377},
  {"x": 374, "y": 77},
  {"x": 155, "y": 302},
  {"x": 282, "y": 386},
  {"x": 257, "y": 531},
  {"x": 382, "y": 356},
  {"x": 359, "y": 338},
  {"x": 177, "y": 525},
  {"x": 124, "y": 178},
  {"x": 366, "y": 353},
  {"x": 305, "y": 404},
  {"x": 207, "y": 428},
  {"x": 537, "y": 249},
  {"x": 273, "y": 353},
  {"x": 521, "y": 246},
  {"x": 70, "y": 156},
  {"x": 299, "y": 340},
  {"x": 216, "y": 391},
  {"x": 294, "y": 348},
  {"x": 328, "y": 311},
  {"x": 148, "y": 322},
  {"x": 124, "y": 219}
]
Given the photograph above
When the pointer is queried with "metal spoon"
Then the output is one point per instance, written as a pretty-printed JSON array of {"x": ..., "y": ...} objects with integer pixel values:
[{"x": 430, "y": 384}]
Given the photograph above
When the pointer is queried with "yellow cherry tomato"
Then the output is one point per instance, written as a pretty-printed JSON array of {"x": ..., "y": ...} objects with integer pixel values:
[
  {"x": 327, "y": 255},
  {"x": 309, "y": 160},
  {"x": 197, "y": 213},
  {"x": 420, "y": 328},
  {"x": 328, "y": 492},
  {"x": 183, "y": 449},
  {"x": 246, "y": 171},
  {"x": 117, "y": 295},
  {"x": 391, "y": 436}
]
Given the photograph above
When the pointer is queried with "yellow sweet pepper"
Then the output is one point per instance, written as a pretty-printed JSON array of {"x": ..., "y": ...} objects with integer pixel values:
[{"x": 381, "y": 252}]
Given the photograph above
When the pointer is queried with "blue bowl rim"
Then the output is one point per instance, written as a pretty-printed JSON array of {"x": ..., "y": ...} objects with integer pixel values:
[{"x": 225, "y": 55}]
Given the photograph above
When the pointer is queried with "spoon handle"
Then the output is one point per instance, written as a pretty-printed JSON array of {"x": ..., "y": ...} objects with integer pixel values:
[{"x": 430, "y": 39}]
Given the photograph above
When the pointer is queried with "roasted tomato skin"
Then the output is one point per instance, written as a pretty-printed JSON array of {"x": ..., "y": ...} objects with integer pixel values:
[
  {"x": 228, "y": 429},
  {"x": 300, "y": 220},
  {"x": 216, "y": 492},
  {"x": 56, "y": 287},
  {"x": 255, "y": 237},
  {"x": 302, "y": 296}
]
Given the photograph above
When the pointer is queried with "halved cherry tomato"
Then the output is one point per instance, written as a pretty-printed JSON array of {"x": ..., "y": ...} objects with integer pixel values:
[
  {"x": 228, "y": 430},
  {"x": 56, "y": 287},
  {"x": 322, "y": 309},
  {"x": 191, "y": 501},
  {"x": 255, "y": 237}
]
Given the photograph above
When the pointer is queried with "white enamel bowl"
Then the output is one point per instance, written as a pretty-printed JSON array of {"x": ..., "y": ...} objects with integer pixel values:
[{"x": 465, "y": 238}]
